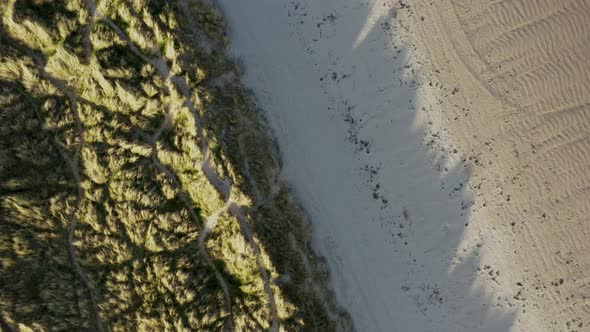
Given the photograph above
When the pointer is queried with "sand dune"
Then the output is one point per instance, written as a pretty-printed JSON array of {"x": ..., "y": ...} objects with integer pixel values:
[{"x": 440, "y": 149}]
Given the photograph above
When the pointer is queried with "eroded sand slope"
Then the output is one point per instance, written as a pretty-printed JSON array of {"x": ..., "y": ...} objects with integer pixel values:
[{"x": 522, "y": 110}]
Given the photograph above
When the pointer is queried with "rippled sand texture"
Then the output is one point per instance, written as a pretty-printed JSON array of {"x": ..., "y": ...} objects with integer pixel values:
[{"x": 525, "y": 81}]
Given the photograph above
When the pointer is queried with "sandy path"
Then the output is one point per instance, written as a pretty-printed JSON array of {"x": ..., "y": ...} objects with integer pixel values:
[{"x": 365, "y": 150}]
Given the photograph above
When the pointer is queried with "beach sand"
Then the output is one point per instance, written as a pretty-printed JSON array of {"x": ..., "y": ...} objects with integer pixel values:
[
  {"x": 440, "y": 150},
  {"x": 524, "y": 105}
]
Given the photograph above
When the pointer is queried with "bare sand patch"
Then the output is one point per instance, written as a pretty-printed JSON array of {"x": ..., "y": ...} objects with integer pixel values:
[
  {"x": 516, "y": 98},
  {"x": 366, "y": 150},
  {"x": 440, "y": 149}
]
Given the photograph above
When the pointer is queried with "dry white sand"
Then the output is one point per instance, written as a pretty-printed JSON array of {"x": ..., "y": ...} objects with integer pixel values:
[{"x": 390, "y": 138}]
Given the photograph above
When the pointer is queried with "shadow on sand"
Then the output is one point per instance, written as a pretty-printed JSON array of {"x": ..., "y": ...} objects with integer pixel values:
[{"x": 389, "y": 204}]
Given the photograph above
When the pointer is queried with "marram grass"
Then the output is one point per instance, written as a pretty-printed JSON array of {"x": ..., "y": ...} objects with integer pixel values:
[{"x": 138, "y": 189}]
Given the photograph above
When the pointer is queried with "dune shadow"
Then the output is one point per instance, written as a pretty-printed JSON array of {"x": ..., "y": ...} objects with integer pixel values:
[
  {"x": 419, "y": 184},
  {"x": 391, "y": 208}
]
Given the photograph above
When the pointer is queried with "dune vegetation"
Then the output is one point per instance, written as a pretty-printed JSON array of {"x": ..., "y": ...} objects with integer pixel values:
[{"x": 139, "y": 189}]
